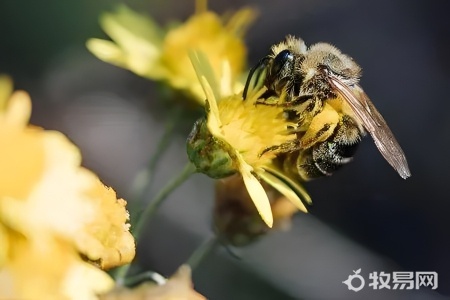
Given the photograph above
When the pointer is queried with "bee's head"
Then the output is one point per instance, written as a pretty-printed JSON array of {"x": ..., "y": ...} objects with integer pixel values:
[
  {"x": 284, "y": 62},
  {"x": 281, "y": 71},
  {"x": 322, "y": 57}
]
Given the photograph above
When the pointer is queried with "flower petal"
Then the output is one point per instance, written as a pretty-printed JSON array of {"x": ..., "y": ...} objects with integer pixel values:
[
  {"x": 6, "y": 88},
  {"x": 203, "y": 69},
  {"x": 138, "y": 39},
  {"x": 107, "y": 51},
  {"x": 83, "y": 279},
  {"x": 293, "y": 184},
  {"x": 240, "y": 21},
  {"x": 225, "y": 82},
  {"x": 208, "y": 82},
  {"x": 124, "y": 25},
  {"x": 19, "y": 109},
  {"x": 283, "y": 188},
  {"x": 214, "y": 122},
  {"x": 4, "y": 241},
  {"x": 257, "y": 193}
]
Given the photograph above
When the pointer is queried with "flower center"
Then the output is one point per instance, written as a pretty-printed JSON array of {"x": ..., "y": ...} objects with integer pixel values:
[{"x": 251, "y": 128}]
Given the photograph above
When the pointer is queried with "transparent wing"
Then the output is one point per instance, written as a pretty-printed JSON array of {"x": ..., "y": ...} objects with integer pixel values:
[{"x": 374, "y": 123}]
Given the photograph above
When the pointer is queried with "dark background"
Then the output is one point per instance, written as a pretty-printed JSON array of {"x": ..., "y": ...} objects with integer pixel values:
[{"x": 364, "y": 216}]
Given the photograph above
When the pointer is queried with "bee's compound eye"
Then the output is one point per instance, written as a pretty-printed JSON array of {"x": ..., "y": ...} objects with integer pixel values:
[{"x": 280, "y": 60}]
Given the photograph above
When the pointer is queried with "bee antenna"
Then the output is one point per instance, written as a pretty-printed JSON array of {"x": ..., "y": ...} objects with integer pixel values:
[{"x": 263, "y": 63}]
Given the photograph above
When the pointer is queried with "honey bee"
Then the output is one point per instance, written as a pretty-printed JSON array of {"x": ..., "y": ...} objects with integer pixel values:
[{"x": 318, "y": 87}]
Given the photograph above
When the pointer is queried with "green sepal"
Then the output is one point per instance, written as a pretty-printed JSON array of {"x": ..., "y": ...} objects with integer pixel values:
[{"x": 210, "y": 155}]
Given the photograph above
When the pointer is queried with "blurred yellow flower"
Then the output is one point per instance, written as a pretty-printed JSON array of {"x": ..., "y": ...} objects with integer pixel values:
[
  {"x": 178, "y": 287},
  {"x": 243, "y": 130},
  {"x": 145, "y": 48},
  {"x": 57, "y": 220}
]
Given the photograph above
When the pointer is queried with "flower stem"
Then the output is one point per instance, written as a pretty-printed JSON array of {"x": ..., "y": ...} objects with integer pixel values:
[
  {"x": 175, "y": 182},
  {"x": 144, "y": 178},
  {"x": 202, "y": 252},
  {"x": 150, "y": 210}
]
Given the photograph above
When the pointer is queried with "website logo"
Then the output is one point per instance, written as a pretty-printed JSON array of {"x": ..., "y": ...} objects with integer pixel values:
[{"x": 397, "y": 280}]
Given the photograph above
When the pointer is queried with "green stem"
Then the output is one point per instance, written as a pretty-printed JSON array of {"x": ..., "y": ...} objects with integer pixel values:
[
  {"x": 144, "y": 178},
  {"x": 150, "y": 210},
  {"x": 121, "y": 273},
  {"x": 175, "y": 182},
  {"x": 202, "y": 252}
]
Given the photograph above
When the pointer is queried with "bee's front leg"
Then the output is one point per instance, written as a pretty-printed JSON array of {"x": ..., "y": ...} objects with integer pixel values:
[
  {"x": 287, "y": 147},
  {"x": 282, "y": 102}
]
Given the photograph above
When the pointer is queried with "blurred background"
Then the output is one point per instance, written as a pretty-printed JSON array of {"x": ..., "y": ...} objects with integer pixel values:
[{"x": 364, "y": 216}]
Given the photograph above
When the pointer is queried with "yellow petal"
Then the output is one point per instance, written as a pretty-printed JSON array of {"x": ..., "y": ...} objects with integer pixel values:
[
  {"x": 106, "y": 51},
  {"x": 142, "y": 60},
  {"x": 83, "y": 280},
  {"x": 129, "y": 28},
  {"x": 201, "y": 6},
  {"x": 107, "y": 238},
  {"x": 225, "y": 82},
  {"x": 6, "y": 88},
  {"x": 214, "y": 122},
  {"x": 208, "y": 82},
  {"x": 22, "y": 161},
  {"x": 19, "y": 109},
  {"x": 138, "y": 38},
  {"x": 257, "y": 193},
  {"x": 293, "y": 184},
  {"x": 240, "y": 21},
  {"x": 48, "y": 268},
  {"x": 204, "y": 69},
  {"x": 284, "y": 189},
  {"x": 4, "y": 241}
]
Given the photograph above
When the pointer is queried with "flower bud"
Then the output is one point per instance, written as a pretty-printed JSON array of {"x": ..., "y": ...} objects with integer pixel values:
[{"x": 209, "y": 154}]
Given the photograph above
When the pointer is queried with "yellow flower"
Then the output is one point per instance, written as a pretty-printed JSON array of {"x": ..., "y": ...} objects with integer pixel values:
[
  {"x": 143, "y": 47},
  {"x": 239, "y": 131},
  {"x": 178, "y": 287},
  {"x": 57, "y": 220}
]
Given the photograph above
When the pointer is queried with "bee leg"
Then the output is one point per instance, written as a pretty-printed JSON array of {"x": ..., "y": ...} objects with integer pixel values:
[
  {"x": 304, "y": 113},
  {"x": 296, "y": 102},
  {"x": 266, "y": 101},
  {"x": 287, "y": 147},
  {"x": 321, "y": 128},
  {"x": 270, "y": 100},
  {"x": 326, "y": 157}
]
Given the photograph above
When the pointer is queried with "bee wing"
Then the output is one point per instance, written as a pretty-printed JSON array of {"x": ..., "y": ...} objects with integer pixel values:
[{"x": 374, "y": 123}]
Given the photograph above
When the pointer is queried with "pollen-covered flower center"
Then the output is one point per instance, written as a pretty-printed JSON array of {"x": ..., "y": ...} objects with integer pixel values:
[{"x": 250, "y": 129}]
